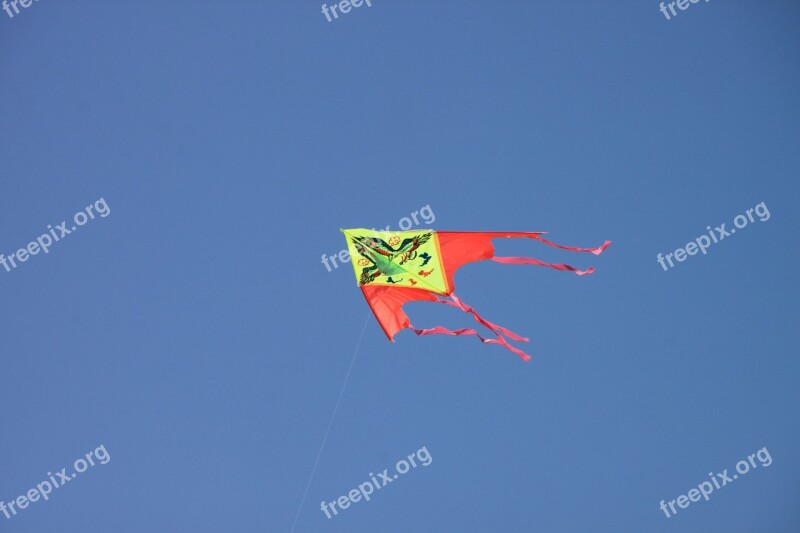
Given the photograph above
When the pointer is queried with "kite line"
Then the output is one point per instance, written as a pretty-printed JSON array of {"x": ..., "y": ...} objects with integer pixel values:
[{"x": 330, "y": 423}]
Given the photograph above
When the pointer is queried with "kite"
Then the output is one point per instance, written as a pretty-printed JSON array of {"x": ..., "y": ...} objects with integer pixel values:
[{"x": 393, "y": 268}]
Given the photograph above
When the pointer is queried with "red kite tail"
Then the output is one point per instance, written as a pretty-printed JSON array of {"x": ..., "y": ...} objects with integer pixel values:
[
  {"x": 555, "y": 266},
  {"x": 499, "y": 331},
  {"x": 595, "y": 251},
  {"x": 439, "y": 330}
]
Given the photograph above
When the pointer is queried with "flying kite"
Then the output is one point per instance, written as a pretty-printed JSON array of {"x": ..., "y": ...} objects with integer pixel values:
[{"x": 393, "y": 268}]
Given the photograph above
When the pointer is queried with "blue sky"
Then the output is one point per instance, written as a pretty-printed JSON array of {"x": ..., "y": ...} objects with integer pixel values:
[{"x": 195, "y": 333}]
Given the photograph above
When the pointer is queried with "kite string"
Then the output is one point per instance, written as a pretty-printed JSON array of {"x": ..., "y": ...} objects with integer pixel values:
[{"x": 330, "y": 423}]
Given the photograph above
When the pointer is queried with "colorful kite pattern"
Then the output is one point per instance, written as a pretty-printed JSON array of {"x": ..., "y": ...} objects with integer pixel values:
[{"x": 393, "y": 268}]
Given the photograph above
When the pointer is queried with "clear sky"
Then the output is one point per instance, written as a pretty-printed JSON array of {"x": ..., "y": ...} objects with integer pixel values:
[{"x": 195, "y": 333}]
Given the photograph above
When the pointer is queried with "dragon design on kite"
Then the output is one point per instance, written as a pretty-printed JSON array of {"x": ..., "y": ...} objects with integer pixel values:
[{"x": 379, "y": 255}]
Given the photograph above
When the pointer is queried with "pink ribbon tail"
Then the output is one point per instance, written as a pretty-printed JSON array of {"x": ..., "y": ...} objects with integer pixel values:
[
  {"x": 498, "y": 330},
  {"x": 532, "y": 261},
  {"x": 555, "y": 266},
  {"x": 595, "y": 251},
  {"x": 439, "y": 330}
]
